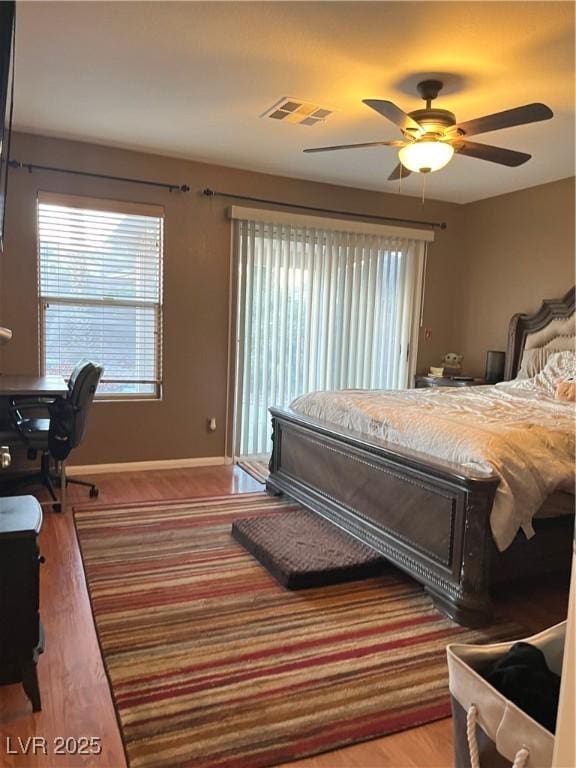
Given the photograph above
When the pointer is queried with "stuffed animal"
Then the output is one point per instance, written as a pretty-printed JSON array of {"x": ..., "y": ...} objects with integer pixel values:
[{"x": 452, "y": 363}]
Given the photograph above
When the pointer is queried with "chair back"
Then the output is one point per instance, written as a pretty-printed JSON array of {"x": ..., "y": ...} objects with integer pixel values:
[{"x": 82, "y": 387}]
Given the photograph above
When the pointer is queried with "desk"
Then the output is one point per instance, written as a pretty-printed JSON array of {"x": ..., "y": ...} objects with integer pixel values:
[{"x": 14, "y": 385}]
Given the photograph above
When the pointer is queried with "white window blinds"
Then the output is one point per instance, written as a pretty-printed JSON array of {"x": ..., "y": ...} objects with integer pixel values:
[
  {"x": 320, "y": 309},
  {"x": 100, "y": 290}
]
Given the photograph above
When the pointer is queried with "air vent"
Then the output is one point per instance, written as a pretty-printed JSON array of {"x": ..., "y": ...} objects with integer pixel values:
[{"x": 292, "y": 110}]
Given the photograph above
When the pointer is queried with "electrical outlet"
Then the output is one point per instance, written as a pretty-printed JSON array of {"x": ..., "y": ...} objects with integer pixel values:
[{"x": 212, "y": 424}]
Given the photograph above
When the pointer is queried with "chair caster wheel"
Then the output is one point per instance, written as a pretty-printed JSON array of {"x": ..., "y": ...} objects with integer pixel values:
[
  {"x": 94, "y": 493},
  {"x": 57, "y": 507}
]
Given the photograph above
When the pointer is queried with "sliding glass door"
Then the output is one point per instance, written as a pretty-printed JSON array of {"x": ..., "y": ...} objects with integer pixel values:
[{"x": 318, "y": 309}]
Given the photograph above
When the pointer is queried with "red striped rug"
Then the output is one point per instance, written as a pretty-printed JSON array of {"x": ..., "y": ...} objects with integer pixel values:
[{"x": 212, "y": 663}]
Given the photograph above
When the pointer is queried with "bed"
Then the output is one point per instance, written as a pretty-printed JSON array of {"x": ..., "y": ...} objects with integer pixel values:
[{"x": 429, "y": 516}]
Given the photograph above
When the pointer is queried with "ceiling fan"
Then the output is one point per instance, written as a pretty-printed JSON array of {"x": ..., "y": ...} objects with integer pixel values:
[{"x": 432, "y": 136}]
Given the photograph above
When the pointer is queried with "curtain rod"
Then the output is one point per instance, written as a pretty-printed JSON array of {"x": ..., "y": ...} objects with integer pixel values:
[
  {"x": 213, "y": 193},
  {"x": 34, "y": 167}
]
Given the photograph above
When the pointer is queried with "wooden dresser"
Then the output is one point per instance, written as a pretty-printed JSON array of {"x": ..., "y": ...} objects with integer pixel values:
[{"x": 21, "y": 639}]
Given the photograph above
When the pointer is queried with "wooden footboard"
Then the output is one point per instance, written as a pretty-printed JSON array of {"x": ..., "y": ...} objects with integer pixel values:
[{"x": 429, "y": 517}]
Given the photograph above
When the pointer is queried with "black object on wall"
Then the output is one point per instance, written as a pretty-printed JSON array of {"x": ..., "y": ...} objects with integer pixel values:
[
  {"x": 286, "y": 204},
  {"x": 495, "y": 361},
  {"x": 7, "y": 23},
  {"x": 89, "y": 174}
]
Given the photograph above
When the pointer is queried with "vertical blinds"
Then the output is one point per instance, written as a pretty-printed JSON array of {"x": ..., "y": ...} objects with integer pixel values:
[
  {"x": 100, "y": 288},
  {"x": 318, "y": 309}
]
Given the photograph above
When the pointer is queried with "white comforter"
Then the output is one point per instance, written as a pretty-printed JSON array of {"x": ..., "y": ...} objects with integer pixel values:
[{"x": 515, "y": 429}]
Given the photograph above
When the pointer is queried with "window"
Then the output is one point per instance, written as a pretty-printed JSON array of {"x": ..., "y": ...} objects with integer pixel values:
[
  {"x": 321, "y": 304},
  {"x": 100, "y": 291}
]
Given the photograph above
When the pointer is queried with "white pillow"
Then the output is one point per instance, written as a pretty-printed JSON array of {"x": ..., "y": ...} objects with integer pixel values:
[
  {"x": 560, "y": 367},
  {"x": 534, "y": 361}
]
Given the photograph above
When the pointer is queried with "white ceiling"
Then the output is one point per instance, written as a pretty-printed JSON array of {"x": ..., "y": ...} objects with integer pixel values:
[{"x": 192, "y": 79}]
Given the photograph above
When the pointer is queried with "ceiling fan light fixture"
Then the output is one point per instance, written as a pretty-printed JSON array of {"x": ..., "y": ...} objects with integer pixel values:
[{"x": 426, "y": 156}]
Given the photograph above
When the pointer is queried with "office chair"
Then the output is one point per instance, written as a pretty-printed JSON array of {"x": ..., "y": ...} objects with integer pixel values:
[{"x": 56, "y": 436}]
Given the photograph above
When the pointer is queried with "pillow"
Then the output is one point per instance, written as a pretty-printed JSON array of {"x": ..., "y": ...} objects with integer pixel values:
[
  {"x": 534, "y": 360},
  {"x": 561, "y": 366},
  {"x": 566, "y": 390}
]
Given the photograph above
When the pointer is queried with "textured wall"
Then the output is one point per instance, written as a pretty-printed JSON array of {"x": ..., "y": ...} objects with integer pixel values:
[
  {"x": 196, "y": 283},
  {"x": 517, "y": 249},
  {"x": 498, "y": 256}
]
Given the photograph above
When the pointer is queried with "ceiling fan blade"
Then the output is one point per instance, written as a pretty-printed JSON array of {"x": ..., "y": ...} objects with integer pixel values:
[
  {"x": 399, "y": 172},
  {"x": 530, "y": 113},
  {"x": 393, "y": 113},
  {"x": 498, "y": 155},
  {"x": 395, "y": 143}
]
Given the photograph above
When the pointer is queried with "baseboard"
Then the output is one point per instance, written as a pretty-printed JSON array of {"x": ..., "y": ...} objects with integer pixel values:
[{"x": 142, "y": 466}]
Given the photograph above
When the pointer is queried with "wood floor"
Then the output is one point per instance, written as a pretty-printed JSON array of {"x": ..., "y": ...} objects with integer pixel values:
[{"x": 76, "y": 698}]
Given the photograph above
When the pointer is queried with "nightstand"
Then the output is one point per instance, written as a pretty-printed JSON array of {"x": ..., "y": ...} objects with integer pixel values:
[
  {"x": 446, "y": 381},
  {"x": 21, "y": 637}
]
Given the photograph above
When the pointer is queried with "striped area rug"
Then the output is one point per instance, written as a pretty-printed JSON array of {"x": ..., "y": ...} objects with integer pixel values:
[{"x": 212, "y": 663}]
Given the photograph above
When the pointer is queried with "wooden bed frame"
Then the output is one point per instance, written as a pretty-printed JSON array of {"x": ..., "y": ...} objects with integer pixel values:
[{"x": 429, "y": 517}]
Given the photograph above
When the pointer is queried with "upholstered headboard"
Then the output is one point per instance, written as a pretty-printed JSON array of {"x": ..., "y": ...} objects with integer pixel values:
[{"x": 553, "y": 326}]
